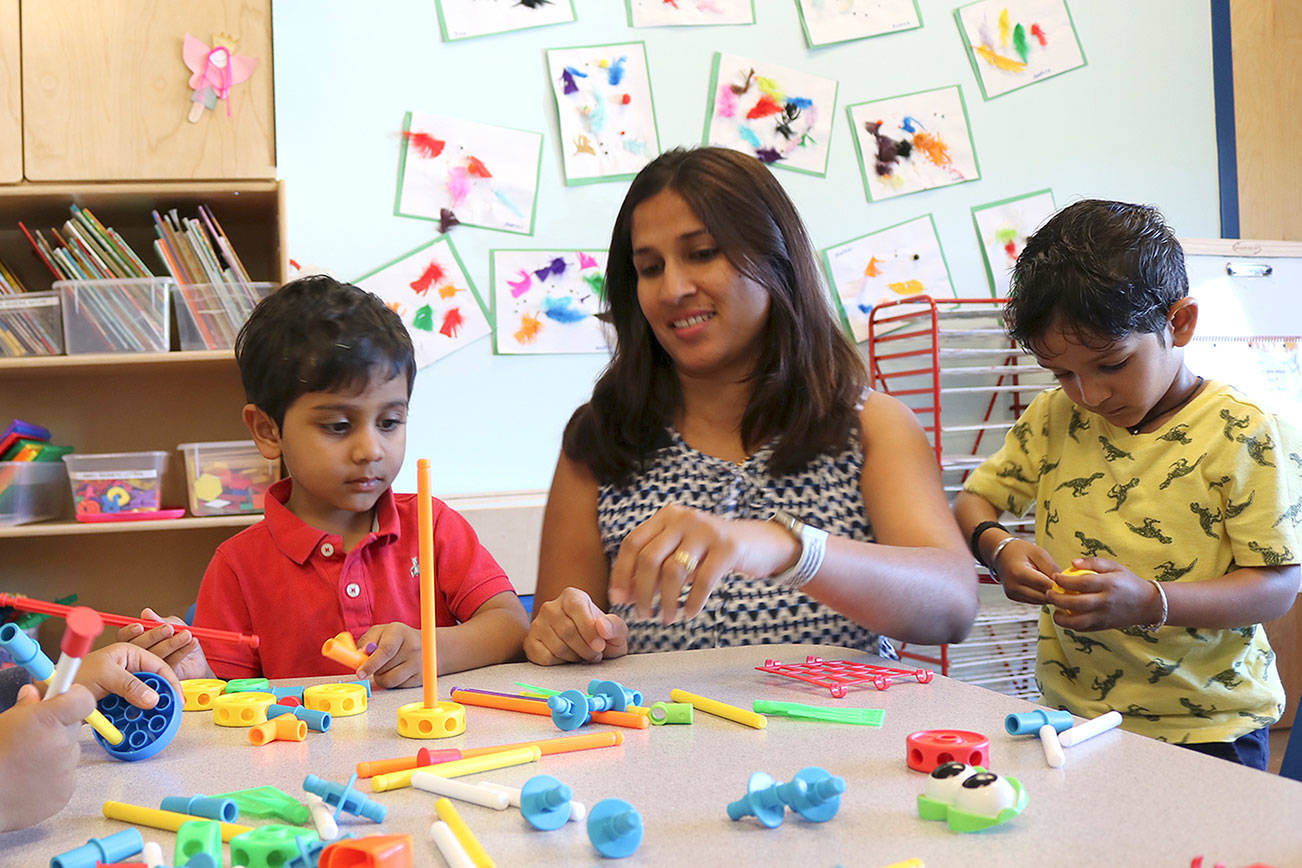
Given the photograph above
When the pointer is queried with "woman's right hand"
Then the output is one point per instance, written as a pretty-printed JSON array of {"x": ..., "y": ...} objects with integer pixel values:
[
  {"x": 1024, "y": 570},
  {"x": 572, "y": 629}
]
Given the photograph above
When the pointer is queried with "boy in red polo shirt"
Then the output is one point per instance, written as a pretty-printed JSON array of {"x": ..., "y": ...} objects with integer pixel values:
[{"x": 328, "y": 371}]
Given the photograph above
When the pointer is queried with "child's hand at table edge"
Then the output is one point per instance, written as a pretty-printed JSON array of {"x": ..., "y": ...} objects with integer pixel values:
[
  {"x": 39, "y": 749},
  {"x": 1108, "y": 597},
  {"x": 395, "y": 659},
  {"x": 109, "y": 670},
  {"x": 171, "y": 642}
]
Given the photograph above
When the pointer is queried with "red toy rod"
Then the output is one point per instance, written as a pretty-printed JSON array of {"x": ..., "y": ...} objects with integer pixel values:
[{"x": 58, "y": 610}]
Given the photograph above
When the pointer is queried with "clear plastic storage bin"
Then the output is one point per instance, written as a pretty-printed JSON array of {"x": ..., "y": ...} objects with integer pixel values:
[
  {"x": 115, "y": 316},
  {"x": 116, "y": 482},
  {"x": 209, "y": 315},
  {"x": 30, "y": 324},
  {"x": 31, "y": 491},
  {"x": 228, "y": 478}
]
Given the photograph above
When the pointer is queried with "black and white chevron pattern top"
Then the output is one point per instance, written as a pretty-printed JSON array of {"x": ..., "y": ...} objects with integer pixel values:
[{"x": 825, "y": 494}]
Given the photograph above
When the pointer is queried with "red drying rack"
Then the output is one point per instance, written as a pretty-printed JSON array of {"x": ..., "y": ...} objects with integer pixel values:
[
  {"x": 924, "y": 350},
  {"x": 837, "y": 675}
]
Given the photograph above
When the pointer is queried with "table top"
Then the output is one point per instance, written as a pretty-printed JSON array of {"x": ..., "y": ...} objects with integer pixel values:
[{"x": 1120, "y": 798}]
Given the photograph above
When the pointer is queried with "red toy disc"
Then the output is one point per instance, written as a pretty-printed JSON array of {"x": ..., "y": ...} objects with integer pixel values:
[{"x": 935, "y": 747}]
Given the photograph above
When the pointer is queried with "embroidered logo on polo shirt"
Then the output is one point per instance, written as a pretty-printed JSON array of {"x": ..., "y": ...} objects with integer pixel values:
[{"x": 415, "y": 568}]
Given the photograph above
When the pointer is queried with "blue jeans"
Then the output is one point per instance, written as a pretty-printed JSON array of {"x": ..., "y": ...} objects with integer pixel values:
[{"x": 1251, "y": 750}]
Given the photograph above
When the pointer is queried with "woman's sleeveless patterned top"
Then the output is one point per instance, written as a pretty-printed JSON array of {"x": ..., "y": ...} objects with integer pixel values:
[{"x": 741, "y": 611}]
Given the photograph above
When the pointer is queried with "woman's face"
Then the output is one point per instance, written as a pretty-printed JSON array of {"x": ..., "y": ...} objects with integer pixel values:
[{"x": 706, "y": 315}]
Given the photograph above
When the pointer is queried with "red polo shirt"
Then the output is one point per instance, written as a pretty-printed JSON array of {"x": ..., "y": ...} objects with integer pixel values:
[{"x": 295, "y": 586}]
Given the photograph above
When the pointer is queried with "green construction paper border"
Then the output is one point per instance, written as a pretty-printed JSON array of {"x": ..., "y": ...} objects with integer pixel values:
[
  {"x": 709, "y": 116},
  {"x": 556, "y": 104},
  {"x": 809, "y": 43},
  {"x": 628, "y": 12},
  {"x": 858, "y": 149},
  {"x": 443, "y": 29},
  {"x": 470, "y": 282},
  {"x": 976, "y": 71},
  {"x": 492, "y": 285},
  {"x": 831, "y": 281},
  {"x": 985, "y": 257},
  {"x": 402, "y": 170}
]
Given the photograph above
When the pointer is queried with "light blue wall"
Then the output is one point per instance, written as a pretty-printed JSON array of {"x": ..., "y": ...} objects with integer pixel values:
[{"x": 1136, "y": 123}]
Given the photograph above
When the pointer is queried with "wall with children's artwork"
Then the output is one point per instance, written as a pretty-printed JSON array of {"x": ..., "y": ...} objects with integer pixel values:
[{"x": 1112, "y": 100}]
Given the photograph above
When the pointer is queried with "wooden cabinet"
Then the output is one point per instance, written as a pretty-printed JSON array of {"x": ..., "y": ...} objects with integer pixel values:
[
  {"x": 105, "y": 93},
  {"x": 11, "y": 96},
  {"x": 130, "y": 402}
]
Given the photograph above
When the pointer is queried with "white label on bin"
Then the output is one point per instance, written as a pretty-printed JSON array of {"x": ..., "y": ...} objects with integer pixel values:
[
  {"x": 20, "y": 302},
  {"x": 115, "y": 474}
]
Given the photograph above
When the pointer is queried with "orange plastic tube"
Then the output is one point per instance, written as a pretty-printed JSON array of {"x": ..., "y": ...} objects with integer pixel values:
[
  {"x": 560, "y": 744},
  {"x": 286, "y": 727},
  {"x": 337, "y": 650},
  {"x": 533, "y": 706},
  {"x": 429, "y": 661},
  {"x": 402, "y": 763}
]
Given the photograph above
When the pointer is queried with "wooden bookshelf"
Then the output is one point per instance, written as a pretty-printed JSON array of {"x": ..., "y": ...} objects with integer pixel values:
[{"x": 11, "y": 96}]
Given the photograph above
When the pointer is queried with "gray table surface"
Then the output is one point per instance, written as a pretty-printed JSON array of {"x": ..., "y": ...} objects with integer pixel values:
[{"x": 1121, "y": 799}]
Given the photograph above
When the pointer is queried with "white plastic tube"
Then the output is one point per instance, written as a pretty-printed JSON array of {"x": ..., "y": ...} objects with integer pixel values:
[
  {"x": 453, "y": 853},
  {"x": 1090, "y": 728},
  {"x": 322, "y": 817},
  {"x": 152, "y": 854},
  {"x": 463, "y": 791},
  {"x": 578, "y": 810},
  {"x": 1053, "y": 754}
]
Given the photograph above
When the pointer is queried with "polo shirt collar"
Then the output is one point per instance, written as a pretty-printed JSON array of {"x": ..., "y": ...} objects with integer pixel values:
[{"x": 297, "y": 539}]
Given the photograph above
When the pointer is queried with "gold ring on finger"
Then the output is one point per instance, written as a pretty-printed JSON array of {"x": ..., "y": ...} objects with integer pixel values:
[{"x": 686, "y": 560}]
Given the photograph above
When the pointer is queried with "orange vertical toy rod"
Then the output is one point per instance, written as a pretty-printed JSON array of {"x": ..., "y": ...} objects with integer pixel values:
[{"x": 429, "y": 656}]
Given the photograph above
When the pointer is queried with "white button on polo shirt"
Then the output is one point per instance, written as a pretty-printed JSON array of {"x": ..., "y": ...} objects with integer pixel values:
[
  {"x": 327, "y": 550},
  {"x": 352, "y": 589}
]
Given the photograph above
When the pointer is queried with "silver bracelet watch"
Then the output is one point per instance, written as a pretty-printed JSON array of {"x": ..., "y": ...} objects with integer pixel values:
[{"x": 813, "y": 548}]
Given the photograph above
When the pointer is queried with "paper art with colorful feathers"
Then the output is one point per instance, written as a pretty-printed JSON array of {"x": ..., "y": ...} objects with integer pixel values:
[
  {"x": 546, "y": 301},
  {"x": 215, "y": 71},
  {"x": 782, "y": 116},
  {"x": 829, "y": 21},
  {"x": 670, "y": 13},
  {"x": 603, "y": 103},
  {"x": 1016, "y": 43},
  {"x": 481, "y": 175},
  {"x": 897, "y": 262},
  {"x": 463, "y": 19},
  {"x": 913, "y": 142},
  {"x": 1003, "y": 228},
  {"x": 429, "y": 288}
]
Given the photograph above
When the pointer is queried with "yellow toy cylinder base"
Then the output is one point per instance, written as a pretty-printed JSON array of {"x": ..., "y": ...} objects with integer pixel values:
[
  {"x": 443, "y": 720},
  {"x": 241, "y": 709},
  {"x": 337, "y": 700},
  {"x": 200, "y": 692}
]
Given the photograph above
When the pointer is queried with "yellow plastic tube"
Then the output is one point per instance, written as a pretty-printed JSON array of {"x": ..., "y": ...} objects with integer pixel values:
[
  {"x": 720, "y": 709},
  {"x": 448, "y": 814},
  {"x": 456, "y": 768},
  {"x": 156, "y": 818}
]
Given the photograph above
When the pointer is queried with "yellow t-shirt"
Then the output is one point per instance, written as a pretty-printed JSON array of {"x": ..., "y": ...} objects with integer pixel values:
[{"x": 1216, "y": 488}]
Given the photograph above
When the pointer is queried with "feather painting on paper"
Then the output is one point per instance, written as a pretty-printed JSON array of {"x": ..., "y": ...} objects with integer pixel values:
[
  {"x": 1017, "y": 43},
  {"x": 603, "y": 103},
  {"x": 456, "y": 171},
  {"x": 830, "y": 21},
  {"x": 1003, "y": 228},
  {"x": 782, "y": 116},
  {"x": 897, "y": 262},
  {"x": 464, "y": 19},
  {"x": 914, "y": 142},
  {"x": 429, "y": 289},
  {"x": 687, "y": 13},
  {"x": 546, "y": 301}
]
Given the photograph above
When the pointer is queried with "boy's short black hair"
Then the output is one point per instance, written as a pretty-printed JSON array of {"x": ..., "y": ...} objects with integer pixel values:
[
  {"x": 316, "y": 334},
  {"x": 1098, "y": 269}
]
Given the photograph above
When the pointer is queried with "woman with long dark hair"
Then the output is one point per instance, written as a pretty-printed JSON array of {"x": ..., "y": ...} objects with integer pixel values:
[{"x": 732, "y": 470}]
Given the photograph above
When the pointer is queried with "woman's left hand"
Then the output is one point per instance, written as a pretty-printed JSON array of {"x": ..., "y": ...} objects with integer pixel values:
[{"x": 679, "y": 545}]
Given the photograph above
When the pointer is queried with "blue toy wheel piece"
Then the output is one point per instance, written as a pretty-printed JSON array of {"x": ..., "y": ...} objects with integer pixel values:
[
  {"x": 762, "y": 800},
  {"x": 545, "y": 802},
  {"x": 820, "y": 798},
  {"x": 569, "y": 709},
  {"x": 145, "y": 731},
  {"x": 615, "y": 828}
]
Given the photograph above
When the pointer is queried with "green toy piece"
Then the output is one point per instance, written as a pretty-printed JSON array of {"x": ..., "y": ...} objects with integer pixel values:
[
  {"x": 800, "y": 711},
  {"x": 269, "y": 801},
  {"x": 198, "y": 836},
  {"x": 268, "y": 846},
  {"x": 965, "y": 821},
  {"x": 248, "y": 685}
]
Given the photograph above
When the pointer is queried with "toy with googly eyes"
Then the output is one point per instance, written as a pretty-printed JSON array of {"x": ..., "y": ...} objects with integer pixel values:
[{"x": 969, "y": 798}]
